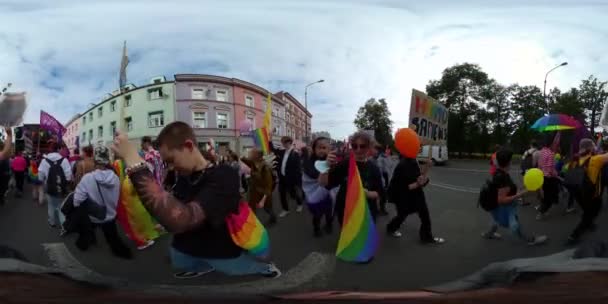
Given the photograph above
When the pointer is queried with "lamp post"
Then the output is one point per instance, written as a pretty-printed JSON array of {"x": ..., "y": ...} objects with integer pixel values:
[
  {"x": 307, "y": 137},
  {"x": 545, "y": 86}
]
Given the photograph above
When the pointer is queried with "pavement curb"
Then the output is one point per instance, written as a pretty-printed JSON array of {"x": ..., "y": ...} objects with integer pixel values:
[{"x": 312, "y": 272}]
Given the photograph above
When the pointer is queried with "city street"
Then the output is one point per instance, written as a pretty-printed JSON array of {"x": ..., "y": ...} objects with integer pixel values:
[{"x": 400, "y": 264}]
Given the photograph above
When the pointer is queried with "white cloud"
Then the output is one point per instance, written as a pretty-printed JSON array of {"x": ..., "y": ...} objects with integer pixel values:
[{"x": 361, "y": 48}]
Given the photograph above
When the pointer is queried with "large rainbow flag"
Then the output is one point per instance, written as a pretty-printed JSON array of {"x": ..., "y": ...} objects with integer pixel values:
[
  {"x": 131, "y": 214},
  {"x": 358, "y": 238},
  {"x": 260, "y": 137},
  {"x": 248, "y": 232}
]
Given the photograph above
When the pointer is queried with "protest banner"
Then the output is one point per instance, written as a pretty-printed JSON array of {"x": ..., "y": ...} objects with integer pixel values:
[{"x": 429, "y": 119}]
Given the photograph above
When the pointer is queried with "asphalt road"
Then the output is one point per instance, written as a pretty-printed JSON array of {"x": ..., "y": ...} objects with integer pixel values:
[{"x": 400, "y": 263}]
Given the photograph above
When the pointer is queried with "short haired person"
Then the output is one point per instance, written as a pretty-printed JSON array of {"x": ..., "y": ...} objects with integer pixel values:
[
  {"x": 551, "y": 184},
  {"x": 290, "y": 175},
  {"x": 371, "y": 178},
  {"x": 5, "y": 153},
  {"x": 505, "y": 214},
  {"x": 195, "y": 210},
  {"x": 590, "y": 203},
  {"x": 85, "y": 165},
  {"x": 54, "y": 200}
]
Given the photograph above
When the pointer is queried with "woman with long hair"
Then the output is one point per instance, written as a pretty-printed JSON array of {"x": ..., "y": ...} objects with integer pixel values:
[{"x": 317, "y": 197}]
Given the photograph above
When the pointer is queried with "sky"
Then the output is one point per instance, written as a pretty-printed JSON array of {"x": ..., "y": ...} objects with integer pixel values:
[{"x": 66, "y": 54}]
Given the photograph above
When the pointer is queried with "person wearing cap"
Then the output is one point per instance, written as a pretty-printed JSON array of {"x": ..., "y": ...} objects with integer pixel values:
[{"x": 101, "y": 186}]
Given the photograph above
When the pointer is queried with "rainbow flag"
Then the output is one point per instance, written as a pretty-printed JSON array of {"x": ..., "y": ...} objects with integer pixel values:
[
  {"x": 358, "y": 238},
  {"x": 131, "y": 214},
  {"x": 248, "y": 233},
  {"x": 260, "y": 137},
  {"x": 32, "y": 171}
]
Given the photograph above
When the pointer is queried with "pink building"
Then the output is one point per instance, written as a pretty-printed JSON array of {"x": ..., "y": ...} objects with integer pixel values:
[
  {"x": 71, "y": 136},
  {"x": 216, "y": 107}
]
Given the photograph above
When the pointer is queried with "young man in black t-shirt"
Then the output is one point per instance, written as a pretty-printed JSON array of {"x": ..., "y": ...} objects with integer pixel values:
[{"x": 195, "y": 210}]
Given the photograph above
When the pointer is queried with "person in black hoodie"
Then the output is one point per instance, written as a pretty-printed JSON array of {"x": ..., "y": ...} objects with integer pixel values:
[
  {"x": 371, "y": 177},
  {"x": 406, "y": 192}
]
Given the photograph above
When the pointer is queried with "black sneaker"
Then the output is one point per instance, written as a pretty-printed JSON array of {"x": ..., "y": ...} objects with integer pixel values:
[
  {"x": 273, "y": 271},
  {"x": 191, "y": 274}
]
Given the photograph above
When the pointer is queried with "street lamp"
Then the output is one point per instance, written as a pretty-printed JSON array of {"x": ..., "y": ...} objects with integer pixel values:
[
  {"x": 545, "y": 86},
  {"x": 306, "y": 107}
]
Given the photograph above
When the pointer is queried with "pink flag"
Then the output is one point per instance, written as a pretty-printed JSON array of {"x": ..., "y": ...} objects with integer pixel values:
[{"x": 49, "y": 123}]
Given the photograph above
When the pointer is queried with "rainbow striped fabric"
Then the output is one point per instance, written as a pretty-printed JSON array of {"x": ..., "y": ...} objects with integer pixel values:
[
  {"x": 260, "y": 137},
  {"x": 32, "y": 171},
  {"x": 131, "y": 214},
  {"x": 248, "y": 233},
  {"x": 358, "y": 238}
]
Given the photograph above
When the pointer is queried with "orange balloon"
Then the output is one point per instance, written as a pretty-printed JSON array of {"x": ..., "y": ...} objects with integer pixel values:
[{"x": 407, "y": 142}]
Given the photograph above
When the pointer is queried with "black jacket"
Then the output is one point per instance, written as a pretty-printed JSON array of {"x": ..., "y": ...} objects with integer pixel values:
[{"x": 293, "y": 168}]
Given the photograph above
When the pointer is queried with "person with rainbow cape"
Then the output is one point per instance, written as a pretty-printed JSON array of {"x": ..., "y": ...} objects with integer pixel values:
[{"x": 131, "y": 214}]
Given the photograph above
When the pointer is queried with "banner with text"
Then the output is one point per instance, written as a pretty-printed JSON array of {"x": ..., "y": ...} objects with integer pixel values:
[{"x": 429, "y": 118}]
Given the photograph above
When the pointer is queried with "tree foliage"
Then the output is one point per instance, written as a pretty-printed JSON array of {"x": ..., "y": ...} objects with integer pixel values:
[
  {"x": 484, "y": 112},
  {"x": 375, "y": 115}
]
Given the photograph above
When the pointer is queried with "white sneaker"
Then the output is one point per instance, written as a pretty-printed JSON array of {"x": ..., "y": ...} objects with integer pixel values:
[
  {"x": 146, "y": 245},
  {"x": 493, "y": 236},
  {"x": 538, "y": 240},
  {"x": 570, "y": 210},
  {"x": 283, "y": 213},
  {"x": 299, "y": 209},
  {"x": 273, "y": 271},
  {"x": 396, "y": 234}
]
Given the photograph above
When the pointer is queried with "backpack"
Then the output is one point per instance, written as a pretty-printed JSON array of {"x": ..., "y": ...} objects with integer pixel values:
[
  {"x": 526, "y": 163},
  {"x": 488, "y": 196},
  {"x": 56, "y": 183},
  {"x": 577, "y": 181}
]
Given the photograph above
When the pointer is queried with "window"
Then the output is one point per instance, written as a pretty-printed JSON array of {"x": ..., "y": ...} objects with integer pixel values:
[
  {"x": 91, "y": 116},
  {"x": 129, "y": 124},
  {"x": 287, "y": 117},
  {"x": 127, "y": 100},
  {"x": 198, "y": 93},
  {"x": 113, "y": 106},
  {"x": 220, "y": 95},
  {"x": 155, "y": 93},
  {"x": 156, "y": 119},
  {"x": 199, "y": 119},
  {"x": 249, "y": 101},
  {"x": 222, "y": 120},
  {"x": 90, "y": 134},
  {"x": 84, "y": 120},
  {"x": 277, "y": 130},
  {"x": 84, "y": 137},
  {"x": 100, "y": 131},
  {"x": 113, "y": 127},
  {"x": 100, "y": 112}
]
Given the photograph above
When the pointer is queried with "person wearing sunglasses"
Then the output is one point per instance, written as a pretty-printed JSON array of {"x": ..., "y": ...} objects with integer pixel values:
[{"x": 360, "y": 143}]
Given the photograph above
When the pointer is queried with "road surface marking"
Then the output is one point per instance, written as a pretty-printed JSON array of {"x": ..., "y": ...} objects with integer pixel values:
[{"x": 455, "y": 188}]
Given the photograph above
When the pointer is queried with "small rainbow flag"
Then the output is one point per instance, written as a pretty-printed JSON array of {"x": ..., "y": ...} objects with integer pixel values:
[
  {"x": 32, "y": 171},
  {"x": 358, "y": 238},
  {"x": 248, "y": 233},
  {"x": 260, "y": 137},
  {"x": 131, "y": 214}
]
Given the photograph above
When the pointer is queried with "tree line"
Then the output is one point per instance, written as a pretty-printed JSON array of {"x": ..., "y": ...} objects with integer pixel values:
[{"x": 484, "y": 112}]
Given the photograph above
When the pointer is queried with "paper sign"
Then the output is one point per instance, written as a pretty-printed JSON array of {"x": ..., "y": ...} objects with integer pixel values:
[
  {"x": 12, "y": 108},
  {"x": 429, "y": 118}
]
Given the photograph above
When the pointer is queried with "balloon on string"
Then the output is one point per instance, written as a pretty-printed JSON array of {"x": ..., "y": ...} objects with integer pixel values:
[
  {"x": 407, "y": 142},
  {"x": 533, "y": 179}
]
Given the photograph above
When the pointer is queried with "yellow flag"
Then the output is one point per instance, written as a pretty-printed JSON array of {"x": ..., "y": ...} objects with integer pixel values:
[{"x": 268, "y": 114}]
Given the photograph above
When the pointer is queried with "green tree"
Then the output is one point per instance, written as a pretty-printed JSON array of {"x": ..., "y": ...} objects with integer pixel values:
[
  {"x": 375, "y": 115},
  {"x": 528, "y": 105},
  {"x": 459, "y": 90},
  {"x": 499, "y": 111},
  {"x": 568, "y": 103},
  {"x": 593, "y": 94}
]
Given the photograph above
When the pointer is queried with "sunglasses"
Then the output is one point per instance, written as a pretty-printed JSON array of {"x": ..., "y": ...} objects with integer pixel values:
[{"x": 357, "y": 146}]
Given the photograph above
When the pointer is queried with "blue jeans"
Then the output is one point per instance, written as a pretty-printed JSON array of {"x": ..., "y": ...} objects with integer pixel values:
[
  {"x": 506, "y": 216},
  {"x": 242, "y": 265},
  {"x": 53, "y": 208}
]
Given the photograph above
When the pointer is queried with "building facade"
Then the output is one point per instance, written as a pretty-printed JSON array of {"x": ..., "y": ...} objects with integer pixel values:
[
  {"x": 139, "y": 111},
  {"x": 72, "y": 134},
  {"x": 297, "y": 118},
  {"x": 218, "y": 108}
]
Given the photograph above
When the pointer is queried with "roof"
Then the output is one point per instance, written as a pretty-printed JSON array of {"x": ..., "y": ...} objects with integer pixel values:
[{"x": 282, "y": 94}]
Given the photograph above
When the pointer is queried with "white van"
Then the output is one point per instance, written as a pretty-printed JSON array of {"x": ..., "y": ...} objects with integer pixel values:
[{"x": 439, "y": 154}]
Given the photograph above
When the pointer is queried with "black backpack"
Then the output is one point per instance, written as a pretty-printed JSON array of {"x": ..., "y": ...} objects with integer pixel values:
[
  {"x": 577, "y": 181},
  {"x": 56, "y": 183},
  {"x": 488, "y": 196}
]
